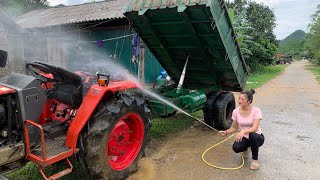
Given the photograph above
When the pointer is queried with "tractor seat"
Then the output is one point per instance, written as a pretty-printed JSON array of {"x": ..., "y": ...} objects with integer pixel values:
[
  {"x": 68, "y": 93},
  {"x": 69, "y": 90}
]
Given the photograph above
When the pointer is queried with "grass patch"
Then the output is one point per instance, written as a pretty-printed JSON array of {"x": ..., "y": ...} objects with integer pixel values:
[
  {"x": 316, "y": 71},
  {"x": 163, "y": 126},
  {"x": 31, "y": 171},
  {"x": 264, "y": 75}
]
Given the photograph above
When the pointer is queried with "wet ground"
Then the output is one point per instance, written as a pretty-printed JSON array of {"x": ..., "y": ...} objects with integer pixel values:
[{"x": 291, "y": 122}]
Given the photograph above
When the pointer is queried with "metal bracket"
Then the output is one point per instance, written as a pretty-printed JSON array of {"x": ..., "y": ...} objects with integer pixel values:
[
  {"x": 214, "y": 25},
  {"x": 142, "y": 11},
  {"x": 181, "y": 8}
]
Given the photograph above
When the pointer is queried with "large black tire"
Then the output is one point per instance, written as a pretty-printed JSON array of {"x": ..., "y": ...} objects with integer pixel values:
[
  {"x": 209, "y": 111},
  {"x": 225, "y": 105},
  {"x": 218, "y": 110},
  {"x": 95, "y": 140}
]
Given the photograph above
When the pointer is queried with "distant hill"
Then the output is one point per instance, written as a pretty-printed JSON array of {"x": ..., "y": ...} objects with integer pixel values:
[
  {"x": 297, "y": 35},
  {"x": 293, "y": 45}
]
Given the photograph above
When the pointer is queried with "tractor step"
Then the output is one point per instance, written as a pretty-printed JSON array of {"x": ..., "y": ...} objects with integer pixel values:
[
  {"x": 59, "y": 174},
  {"x": 54, "y": 146},
  {"x": 55, "y": 138},
  {"x": 50, "y": 149}
]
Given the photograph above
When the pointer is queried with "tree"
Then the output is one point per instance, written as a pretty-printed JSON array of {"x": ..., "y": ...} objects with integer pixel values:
[
  {"x": 313, "y": 40},
  {"x": 294, "y": 48},
  {"x": 242, "y": 26},
  {"x": 238, "y": 5},
  {"x": 15, "y": 8},
  {"x": 263, "y": 21},
  {"x": 294, "y": 45},
  {"x": 254, "y": 24}
]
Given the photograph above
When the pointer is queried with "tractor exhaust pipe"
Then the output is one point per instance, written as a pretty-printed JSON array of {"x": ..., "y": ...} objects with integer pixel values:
[{"x": 182, "y": 76}]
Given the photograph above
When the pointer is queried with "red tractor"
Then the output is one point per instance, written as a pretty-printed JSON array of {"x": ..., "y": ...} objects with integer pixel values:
[{"x": 55, "y": 114}]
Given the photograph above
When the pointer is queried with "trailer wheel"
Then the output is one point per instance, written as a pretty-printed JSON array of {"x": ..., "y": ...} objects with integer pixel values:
[
  {"x": 209, "y": 111},
  {"x": 116, "y": 138},
  {"x": 218, "y": 110},
  {"x": 225, "y": 105}
]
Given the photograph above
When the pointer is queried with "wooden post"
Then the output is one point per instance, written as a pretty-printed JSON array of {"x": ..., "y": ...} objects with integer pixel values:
[{"x": 141, "y": 63}]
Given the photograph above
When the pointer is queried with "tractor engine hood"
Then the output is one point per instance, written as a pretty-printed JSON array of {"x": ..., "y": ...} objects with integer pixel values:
[{"x": 29, "y": 96}]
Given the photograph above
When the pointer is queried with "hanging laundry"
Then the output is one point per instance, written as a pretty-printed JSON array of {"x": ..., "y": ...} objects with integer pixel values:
[
  {"x": 99, "y": 43},
  {"x": 135, "y": 47}
]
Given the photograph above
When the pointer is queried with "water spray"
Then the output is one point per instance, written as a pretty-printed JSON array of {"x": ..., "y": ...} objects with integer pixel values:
[{"x": 176, "y": 107}]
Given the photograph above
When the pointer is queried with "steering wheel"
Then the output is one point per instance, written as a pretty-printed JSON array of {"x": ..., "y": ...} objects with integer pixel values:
[{"x": 37, "y": 69}]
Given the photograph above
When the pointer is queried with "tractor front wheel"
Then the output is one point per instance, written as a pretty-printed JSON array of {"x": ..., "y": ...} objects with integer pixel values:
[{"x": 116, "y": 138}]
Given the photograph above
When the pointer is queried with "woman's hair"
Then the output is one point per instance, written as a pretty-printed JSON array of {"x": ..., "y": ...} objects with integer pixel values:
[{"x": 249, "y": 94}]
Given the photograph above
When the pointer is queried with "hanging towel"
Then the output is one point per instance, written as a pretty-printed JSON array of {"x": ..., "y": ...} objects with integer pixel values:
[{"x": 135, "y": 47}]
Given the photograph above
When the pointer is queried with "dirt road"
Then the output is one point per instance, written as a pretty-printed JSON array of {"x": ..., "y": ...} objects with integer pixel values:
[{"x": 291, "y": 122}]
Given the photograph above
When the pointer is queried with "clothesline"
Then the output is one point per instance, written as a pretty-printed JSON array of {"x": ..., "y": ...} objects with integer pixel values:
[
  {"x": 31, "y": 33},
  {"x": 109, "y": 39}
]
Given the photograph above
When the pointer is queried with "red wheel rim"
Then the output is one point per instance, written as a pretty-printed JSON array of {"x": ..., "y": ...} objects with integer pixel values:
[{"x": 125, "y": 141}]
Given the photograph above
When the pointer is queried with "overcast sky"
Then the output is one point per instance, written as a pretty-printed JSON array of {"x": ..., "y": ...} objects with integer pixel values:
[{"x": 291, "y": 14}]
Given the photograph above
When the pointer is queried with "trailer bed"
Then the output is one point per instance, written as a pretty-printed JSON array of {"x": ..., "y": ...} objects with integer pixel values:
[{"x": 198, "y": 29}]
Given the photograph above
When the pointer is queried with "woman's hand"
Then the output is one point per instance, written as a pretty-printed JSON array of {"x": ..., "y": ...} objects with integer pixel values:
[
  {"x": 223, "y": 133},
  {"x": 240, "y": 136}
]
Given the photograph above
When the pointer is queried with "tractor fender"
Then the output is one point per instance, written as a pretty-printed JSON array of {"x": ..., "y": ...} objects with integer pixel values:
[
  {"x": 6, "y": 90},
  {"x": 90, "y": 102}
]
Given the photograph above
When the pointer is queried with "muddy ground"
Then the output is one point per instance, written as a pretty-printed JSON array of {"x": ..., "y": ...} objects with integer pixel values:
[{"x": 291, "y": 122}]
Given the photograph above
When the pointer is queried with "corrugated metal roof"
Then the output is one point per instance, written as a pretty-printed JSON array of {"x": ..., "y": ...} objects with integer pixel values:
[
  {"x": 111, "y": 9},
  {"x": 9, "y": 23},
  {"x": 136, "y": 5}
]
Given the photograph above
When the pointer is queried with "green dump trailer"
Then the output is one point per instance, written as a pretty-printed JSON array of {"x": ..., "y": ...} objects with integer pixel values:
[{"x": 195, "y": 43}]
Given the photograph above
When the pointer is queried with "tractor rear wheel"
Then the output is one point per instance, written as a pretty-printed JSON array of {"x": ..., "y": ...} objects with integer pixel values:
[{"x": 116, "y": 138}]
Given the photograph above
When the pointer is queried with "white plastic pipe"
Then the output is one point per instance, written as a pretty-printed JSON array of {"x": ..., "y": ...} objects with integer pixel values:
[{"x": 182, "y": 76}]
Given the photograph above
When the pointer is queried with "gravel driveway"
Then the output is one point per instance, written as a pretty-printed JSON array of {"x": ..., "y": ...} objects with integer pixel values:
[{"x": 291, "y": 122}]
